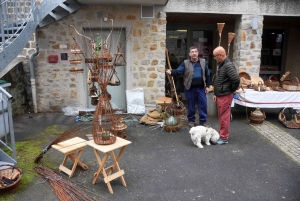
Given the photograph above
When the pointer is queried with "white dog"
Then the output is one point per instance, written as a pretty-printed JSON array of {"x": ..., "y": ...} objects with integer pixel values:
[{"x": 205, "y": 134}]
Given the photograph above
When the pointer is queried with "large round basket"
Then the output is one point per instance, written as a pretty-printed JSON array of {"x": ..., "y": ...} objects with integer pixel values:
[
  {"x": 10, "y": 172},
  {"x": 171, "y": 128}
]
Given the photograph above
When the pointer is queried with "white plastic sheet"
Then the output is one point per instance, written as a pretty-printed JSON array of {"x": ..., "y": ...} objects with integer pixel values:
[
  {"x": 74, "y": 111},
  {"x": 135, "y": 101}
]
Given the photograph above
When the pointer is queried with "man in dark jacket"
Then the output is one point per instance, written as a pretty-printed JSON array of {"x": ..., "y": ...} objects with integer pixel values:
[
  {"x": 226, "y": 83},
  {"x": 196, "y": 81}
]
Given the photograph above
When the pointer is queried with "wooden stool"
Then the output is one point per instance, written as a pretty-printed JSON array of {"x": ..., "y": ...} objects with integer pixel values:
[
  {"x": 69, "y": 148},
  {"x": 109, "y": 150},
  {"x": 161, "y": 100}
]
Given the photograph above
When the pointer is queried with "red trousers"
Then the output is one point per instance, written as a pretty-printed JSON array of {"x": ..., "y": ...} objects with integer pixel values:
[{"x": 224, "y": 111}]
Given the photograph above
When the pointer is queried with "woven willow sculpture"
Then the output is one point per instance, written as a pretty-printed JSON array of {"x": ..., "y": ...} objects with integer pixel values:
[{"x": 102, "y": 72}]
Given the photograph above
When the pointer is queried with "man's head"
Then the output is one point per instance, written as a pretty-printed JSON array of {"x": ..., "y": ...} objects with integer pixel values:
[
  {"x": 193, "y": 53},
  {"x": 219, "y": 54}
]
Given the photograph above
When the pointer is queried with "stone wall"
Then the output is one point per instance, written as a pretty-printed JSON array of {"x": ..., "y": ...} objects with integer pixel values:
[
  {"x": 247, "y": 45},
  {"x": 20, "y": 88},
  {"x": 145, "y": 55}
]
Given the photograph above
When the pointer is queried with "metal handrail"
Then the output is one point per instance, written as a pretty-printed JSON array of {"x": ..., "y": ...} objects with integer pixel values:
[
  {"x": 11, "y": 20},
  {"x": 5, "y": 101}
]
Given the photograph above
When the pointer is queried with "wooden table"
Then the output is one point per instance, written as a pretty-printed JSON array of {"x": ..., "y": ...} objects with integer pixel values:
[
  {"x": 109, "y": 150},
  {"x": 69, "y": 148}
]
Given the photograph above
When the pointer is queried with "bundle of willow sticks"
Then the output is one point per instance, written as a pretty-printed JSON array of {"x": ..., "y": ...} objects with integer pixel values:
[{"x": 64, "y": 190}]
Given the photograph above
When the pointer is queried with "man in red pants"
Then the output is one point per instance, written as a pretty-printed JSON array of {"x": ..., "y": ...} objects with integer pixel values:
[{"x": 226, "y": 83}]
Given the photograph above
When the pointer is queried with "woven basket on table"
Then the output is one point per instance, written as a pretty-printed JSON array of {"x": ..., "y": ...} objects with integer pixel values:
[
  {"x": 101, "y": 140},
  {"x": 272, "y": 82},
  {"x": 292, "y": 85},
  {"x": 245, "y": 79},
  {"x": 12, "y": 172}
]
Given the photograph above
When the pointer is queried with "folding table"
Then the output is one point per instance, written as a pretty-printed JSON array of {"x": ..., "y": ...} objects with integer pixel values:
[
  {"x": 108, "y": 150},
  {"x": 69, "y": 148}
]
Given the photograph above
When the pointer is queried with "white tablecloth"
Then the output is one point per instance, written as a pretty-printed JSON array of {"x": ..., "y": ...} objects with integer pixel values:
[{"x": 269, "y": 99}]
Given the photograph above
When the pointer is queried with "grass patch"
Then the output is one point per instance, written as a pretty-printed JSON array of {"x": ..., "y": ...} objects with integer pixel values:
[{"x": 26, "y": 153}]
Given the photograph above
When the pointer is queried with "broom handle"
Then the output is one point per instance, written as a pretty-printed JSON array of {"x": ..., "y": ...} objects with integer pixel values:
[{"x": 170, "y": 77}]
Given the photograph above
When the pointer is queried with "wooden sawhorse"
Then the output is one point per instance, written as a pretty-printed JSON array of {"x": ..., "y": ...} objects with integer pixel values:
[
  {"x": 109, "y": 150},
  {"x": 69, "y": 148}
]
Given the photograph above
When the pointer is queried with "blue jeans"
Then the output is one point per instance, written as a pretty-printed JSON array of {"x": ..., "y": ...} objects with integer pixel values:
[{"x": 196, "y": 95}]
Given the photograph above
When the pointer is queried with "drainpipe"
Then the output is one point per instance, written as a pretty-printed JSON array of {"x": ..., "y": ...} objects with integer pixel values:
[{"x": 32, "y": 77}]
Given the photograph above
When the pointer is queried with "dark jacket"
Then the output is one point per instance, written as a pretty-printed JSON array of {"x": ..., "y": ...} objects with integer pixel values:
[{"x": 227, "y": 79}]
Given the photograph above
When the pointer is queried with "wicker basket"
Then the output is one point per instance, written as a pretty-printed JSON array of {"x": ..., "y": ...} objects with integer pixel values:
[
  {"x": 292, "y": 85},
  {"x": 13, "y": 173},
  {"x": 293, "y": 123},
  {"x": 172, "y": 128},
  {"x": 101, "y": 140},
  {"x": 272, "y": 82},
  {"x": 245, "y": 79},
  {"x": 257, "y": 117}
]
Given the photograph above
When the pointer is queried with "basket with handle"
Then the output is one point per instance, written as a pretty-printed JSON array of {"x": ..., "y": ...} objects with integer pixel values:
[
  {"x": 245, "y": 79},
  {"x": 9, "y": 173},
  {"x": 272, "y": 82},
  {"x": 291, "y": 85}
]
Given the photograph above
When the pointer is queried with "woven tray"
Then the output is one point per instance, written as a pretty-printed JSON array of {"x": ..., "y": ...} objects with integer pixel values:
[{"x": 12, "y": 172}]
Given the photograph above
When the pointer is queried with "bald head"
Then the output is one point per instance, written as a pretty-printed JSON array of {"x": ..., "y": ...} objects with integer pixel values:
[{"x": 219, "y": 54}]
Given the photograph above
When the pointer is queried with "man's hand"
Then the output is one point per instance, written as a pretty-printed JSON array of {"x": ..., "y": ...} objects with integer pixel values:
[
  {"x": 215, "y": 98},
  {"x": 206, "y": 90},
  {"x": 168, "y": 72}
]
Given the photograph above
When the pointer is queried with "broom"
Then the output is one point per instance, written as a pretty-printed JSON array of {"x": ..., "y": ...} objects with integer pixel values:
[
  {"x": 220, "y": 29},
  {"x": 71, "y": 132},
  {"x": 230, "y": 38}
]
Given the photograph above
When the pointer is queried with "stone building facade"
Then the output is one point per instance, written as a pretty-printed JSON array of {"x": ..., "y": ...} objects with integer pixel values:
[{"x": 145, "y": 47}]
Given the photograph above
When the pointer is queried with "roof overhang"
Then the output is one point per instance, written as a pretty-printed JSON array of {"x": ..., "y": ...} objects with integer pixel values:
[{"x": 124, "y": 2}]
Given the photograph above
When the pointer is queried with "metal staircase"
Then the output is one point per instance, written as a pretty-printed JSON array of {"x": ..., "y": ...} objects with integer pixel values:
[
  {"x": 17, "y": 27},
  {"x": 15, "y": 32}
]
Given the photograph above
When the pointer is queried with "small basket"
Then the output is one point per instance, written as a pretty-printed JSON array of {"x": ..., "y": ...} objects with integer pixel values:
[
  {"x": 245, "y": 79},
  {"x": 116, "y": 83},
  {"x": 272, "y": 82},
  {"x": 257, "y": 117},
  {"x": 10, "y": 172},
  {"x": 292, "y": 85},
  {"x": 100, "y": 140}
]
